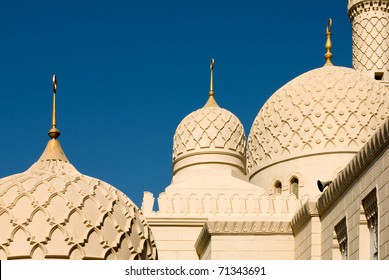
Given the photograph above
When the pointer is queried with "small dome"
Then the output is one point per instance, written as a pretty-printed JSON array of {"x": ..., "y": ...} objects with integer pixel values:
[
  {"x": 210, "y": 135},
  {"x": 328, "y": 109},
  {"x": 209, "y": 130}
]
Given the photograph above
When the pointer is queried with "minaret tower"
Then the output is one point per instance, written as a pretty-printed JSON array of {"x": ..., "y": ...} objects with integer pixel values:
[{"x": 370, "y": 36}]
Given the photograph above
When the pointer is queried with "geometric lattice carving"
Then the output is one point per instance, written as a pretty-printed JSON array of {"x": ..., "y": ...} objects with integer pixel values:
[
  {"x": 209, "y": 128},
  {"x": 324, "y": 110},
  {"x": 53, "y": 211},
  {"x": 370, "y": 35}
]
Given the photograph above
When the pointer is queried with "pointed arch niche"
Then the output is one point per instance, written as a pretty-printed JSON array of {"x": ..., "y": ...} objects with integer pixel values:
[
  {"x": 277, "y": 187},
  {"x": 294, "y": 185}
]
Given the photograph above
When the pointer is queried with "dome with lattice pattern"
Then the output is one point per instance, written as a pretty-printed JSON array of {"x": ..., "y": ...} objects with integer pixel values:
[
  {"x": 53, "y": 211},
  {"x": 330, "y": 109},
  {"x": 209, "y": 132}
]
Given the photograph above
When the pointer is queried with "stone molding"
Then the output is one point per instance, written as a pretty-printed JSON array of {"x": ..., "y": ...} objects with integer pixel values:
[
  {"x": 209, "y": 156},
  {"x": 304, "y": 215},
  {"x": 238, "y": 228},
  {"x": 208, "y": 205},
  {"x": 180, "y": 222},
  {"x": 364, "y": 157},
  {"x": 357, "y": 7},
  {"x": 305, "y": 155}
]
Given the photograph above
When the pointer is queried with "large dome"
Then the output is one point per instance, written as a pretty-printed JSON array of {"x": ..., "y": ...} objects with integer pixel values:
[
  {"x": 324, "y": 110},
  {"x": 53, "y": 211}
]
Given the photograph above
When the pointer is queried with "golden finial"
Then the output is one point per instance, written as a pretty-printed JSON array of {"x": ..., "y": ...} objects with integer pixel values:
[
  {"x": 211, "y": 100},
  {"x": 53, "y": 149},
  {"x": 328, "y": 55},
  {"x": 211, "y": 82},
  {"x": 54, "y": 132}
]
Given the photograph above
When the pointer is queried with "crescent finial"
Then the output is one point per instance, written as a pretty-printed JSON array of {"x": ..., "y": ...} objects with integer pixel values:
[{"x": 328, "y": 55}]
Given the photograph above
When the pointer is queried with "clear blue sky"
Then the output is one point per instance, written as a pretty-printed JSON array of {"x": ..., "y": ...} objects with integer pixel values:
[{"x": 129, "y": 71}]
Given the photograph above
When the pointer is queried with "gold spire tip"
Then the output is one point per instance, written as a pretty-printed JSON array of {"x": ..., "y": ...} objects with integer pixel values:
[
  {"x": 328, "y": 55},
  {"x": 211, "y": 100},
  {"x": 54, "y": 84},
  {"x": 54, "y": 132},
  {"x": 211, "y": 66}
]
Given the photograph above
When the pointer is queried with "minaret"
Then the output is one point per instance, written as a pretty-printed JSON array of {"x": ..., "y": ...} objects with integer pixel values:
[{"x": 370, "y": 36}]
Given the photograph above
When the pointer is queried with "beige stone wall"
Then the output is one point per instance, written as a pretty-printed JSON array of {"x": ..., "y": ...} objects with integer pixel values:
[
  {"x": 308, "y": 241},
  {"x": 185, "y": 218},
  {"x": 250, "y": 247},
  {"x": 375, "y": 175},
  {"x": 248, "y": 239},
  {"x": 305, "y": 169},
  {"x": 381, "y": 171},
  {"x": 176, "y": 242}
]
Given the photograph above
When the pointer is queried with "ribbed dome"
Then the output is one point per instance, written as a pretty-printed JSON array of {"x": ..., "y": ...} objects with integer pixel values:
[
  {"x": 209, "y": 130},
  {"x": 324, "y": 110},
  {"x": 53, "y": 211}
]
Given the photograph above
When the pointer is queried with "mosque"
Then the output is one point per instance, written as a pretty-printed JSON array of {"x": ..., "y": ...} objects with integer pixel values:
[{"x": 310, "y": 182}]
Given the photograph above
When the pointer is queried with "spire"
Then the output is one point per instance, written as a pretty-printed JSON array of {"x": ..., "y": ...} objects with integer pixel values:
[
  {"x": 54, "y": 132},
  {"x": 328, "y": 55},
  {"x": 211, "y": 100},
  {"x": 53, "y": 149},
  {"x": 211, "y": 93}
]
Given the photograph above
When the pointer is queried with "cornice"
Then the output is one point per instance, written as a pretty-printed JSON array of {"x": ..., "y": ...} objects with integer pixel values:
[
  {"x": 239, "y": 228},
  {"x": 266, "y": 164},
  {"x": 355, "y": 8},
  {"x": 363, "y": 158},
  {"x": 248, "y": 227},
  {"x": 304, "y": 215},
  {"x": 220, "y": 204},
  {"x": 171, "y": 221}
]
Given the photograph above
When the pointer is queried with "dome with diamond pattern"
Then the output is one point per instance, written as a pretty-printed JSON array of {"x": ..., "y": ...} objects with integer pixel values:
[
  {"x": 210, "y": 135},
  {"x": 209, "y": 130},
  {"x": 326, "y": 110}
]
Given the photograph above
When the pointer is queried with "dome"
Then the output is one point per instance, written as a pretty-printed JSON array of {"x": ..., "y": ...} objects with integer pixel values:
[
  {"x": 329, "y": 109},
  {"x": 209, "y": 135},
  {"x": 209, "y": 130},
  {"x": 53, "y": 211}
]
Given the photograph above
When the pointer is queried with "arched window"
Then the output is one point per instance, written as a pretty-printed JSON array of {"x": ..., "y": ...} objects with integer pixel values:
[
  {"x": 294, "y": 186},
  {"x": 277, "y": 187}
]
